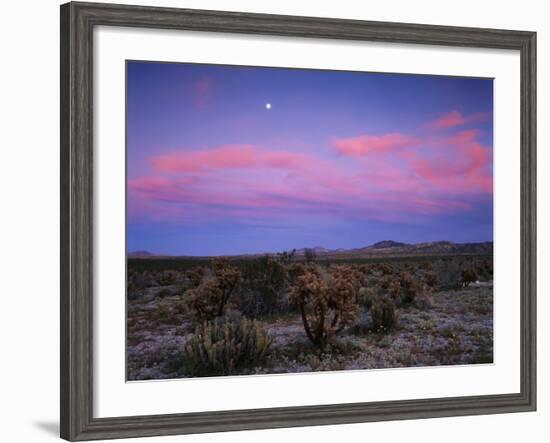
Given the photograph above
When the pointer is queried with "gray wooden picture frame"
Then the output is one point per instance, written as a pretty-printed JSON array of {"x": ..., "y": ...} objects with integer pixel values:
[{"x": 77, "y": 23}]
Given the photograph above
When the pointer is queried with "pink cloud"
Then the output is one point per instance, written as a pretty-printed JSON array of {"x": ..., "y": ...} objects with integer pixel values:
[
  {"x": 455, "y": 165},
  {"x": 234, "y": 157},
  {"x": 226, "y": 198},
  {"x": 455, "y": 118},
  {"x": 372, "y": 144},
  {"x": 408, "y": 177},
  {"x": 360, "y": 197},
  {"x": 464, "y": 168}
]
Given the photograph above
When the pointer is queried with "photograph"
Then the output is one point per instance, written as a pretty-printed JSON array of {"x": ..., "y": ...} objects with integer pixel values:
[
  {"x": 286, "y": 220},
  {"x": 238, "y": 222}
]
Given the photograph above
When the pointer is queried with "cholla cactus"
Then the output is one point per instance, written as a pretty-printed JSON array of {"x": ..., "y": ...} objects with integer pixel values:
[
  {"x": 431, "y": 279},
  {"x": 391, "y": 287},
  {"x": 166, "y": 278},
  {"x": 209, "y": 299},
  {"x": 383, "y": 268},
  {"x": 327, "y": 302},
  {"x": 366, "y": 296},
  {"x": 469, "y": 275},
  {"x": 226, "y": 346},
  {"x": 360, "y": 276},
  {"x": 424, "y": 298},
  {"x": 343, "y": 295},
  {"x": 227, "y": 275},
  {"x": 264, "y": 283},
  {"x": 409, "y": 287},
  {"x": 195, "y": 275},
  {"x": 384, "y": 314}
]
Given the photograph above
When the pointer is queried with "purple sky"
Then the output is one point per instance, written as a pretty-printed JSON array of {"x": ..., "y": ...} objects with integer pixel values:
[{"x": 229, "y": 160}]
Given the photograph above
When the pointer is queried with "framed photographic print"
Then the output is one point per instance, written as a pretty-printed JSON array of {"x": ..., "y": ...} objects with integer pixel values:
[{"x": 273, "y": 221}]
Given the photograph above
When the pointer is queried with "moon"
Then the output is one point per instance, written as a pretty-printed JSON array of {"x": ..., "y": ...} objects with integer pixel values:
[{"x": 268, "y": 106}]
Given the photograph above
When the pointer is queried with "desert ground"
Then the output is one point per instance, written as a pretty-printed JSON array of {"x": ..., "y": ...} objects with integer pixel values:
[{"x": 288, "y": 313}]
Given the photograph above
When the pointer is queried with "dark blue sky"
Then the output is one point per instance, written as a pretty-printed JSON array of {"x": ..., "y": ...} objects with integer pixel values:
[{"x": 229, "y": 160}]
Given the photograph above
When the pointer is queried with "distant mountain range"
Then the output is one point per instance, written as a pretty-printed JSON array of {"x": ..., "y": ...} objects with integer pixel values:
[
  {"x": 141, "y": 254},
  {"x": 382, "y": 248},
  {"x": 390, "y": 247}
]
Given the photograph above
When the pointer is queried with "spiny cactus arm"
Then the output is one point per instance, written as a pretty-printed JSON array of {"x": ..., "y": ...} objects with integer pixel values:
[
  {"x": 225, "y": 299},
  {"x": 227, "y": 284},
  {"x": 221, "y": 304},
  {"x": 305, "y": 322},
  {"x": 334, "y": 320},
  {"x": 320, "y": 332},
  {"x": 338, "y": 328}
]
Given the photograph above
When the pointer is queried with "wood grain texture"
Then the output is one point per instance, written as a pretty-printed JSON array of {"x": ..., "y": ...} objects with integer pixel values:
[{"x": 77, "y": 23}]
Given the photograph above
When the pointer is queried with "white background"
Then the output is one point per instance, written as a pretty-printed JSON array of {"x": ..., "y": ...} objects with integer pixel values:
[
  {"x": 29, "y": 185},
  {"x": 113, "y": 397}
]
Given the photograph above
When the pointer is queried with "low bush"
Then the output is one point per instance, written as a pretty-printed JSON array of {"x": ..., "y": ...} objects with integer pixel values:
[
  {"x": 366, "y": 296},
  {"x": 262, "y": 288},
  {"x": 409, "y": 287},
  {"x": 226, "y": 346},
  {"x": 164, "y": 292},
  {"x": 310, "y": 255},
  {"x": 195, "y": 276},
  {"x": 209, "y": 299},
  {"x": 384, "y": 314},
  {"x": 167, "y": 278},
  {"x": 448, "y": 270},
  {"x": 424, "y": 298},
  {"x": 431, "y": 279},
  {"x": 469, "y": 275},
  {"x": 391, "y": 287},
  {"x": 164, "y": 312},
  {"x": 383, "y": 268}
]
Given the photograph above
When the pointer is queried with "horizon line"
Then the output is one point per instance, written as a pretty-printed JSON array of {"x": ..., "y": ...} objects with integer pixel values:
[{"x": 328, "y": 250}]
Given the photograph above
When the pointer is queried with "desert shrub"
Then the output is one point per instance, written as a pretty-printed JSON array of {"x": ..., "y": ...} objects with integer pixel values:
[
  {"x": 484, "y": 269},
  {"x": 179, "y": 307},
  {"x": 384, "y": 314},
  {"x": 137, "y": 282},
  {"x": 227, "y": 275},
  {"x": 285, "y": 257},
  {"x": 262, "y": 287},
  {"x": 226, "y": 346},
  {"x": 383, "y": 268},
  {"x": 363, "y": 278},
  {"x": 365, "y": 269},
  {"x": 294, "y": 271},
  {"x": 449, "y": 272},
  {"x": 409, "y": 287},
  {"x": 489, "y": 267},
  {"x": 327, "y": 302},
  {"x": 469, "y": 275},
  {"x": 386, "y": 268},
  {"x": 163, "y": 312},
  {"x": 424, "y": 297},
  {"x": 167, "y": 278},
  {"x": 431, "y": 279},
  {"x": 366, "y": 296},
  {"x": 195, "y": 275},
  {"x": 426, "y": 266},
  {"x": 164, "y": 292},
  {"x": 209, "y": 299},
  {"x": 310, "y": 255},
  {"x": 391, "y": 286}
]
